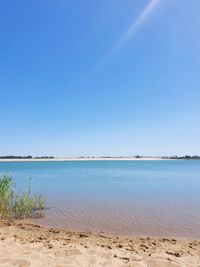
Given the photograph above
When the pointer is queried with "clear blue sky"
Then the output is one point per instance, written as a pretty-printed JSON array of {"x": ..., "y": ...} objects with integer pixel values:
[{"x": 109, "y": 77}]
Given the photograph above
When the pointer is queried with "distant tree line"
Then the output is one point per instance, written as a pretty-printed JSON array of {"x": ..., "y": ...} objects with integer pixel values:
[
  {"x": 25, "y": 157},
  {"x": 44, "y": 157},
  {"x": 109, "y": 157},
  {"x": 182, "y": 157},
  {"x": 16, "y": 157}
]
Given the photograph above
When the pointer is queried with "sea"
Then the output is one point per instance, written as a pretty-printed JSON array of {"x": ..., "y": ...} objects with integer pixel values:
[{"x": 124, "y": 197}]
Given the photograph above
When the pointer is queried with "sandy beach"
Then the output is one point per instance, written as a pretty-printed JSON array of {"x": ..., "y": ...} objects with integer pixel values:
[
  {"x": 84, "y": 159},
  {"x": 25, "y": 244}
]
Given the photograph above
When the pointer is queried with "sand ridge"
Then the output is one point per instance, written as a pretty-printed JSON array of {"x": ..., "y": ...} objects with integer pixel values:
[
  {"x": 86, "y": 159},
  {"x": 25, "y": 244}
]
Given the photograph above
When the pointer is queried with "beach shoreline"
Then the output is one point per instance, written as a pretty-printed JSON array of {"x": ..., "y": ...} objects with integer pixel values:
[
  {"x": 23, "y": 243},
  {"x": 86, "y": 159}
]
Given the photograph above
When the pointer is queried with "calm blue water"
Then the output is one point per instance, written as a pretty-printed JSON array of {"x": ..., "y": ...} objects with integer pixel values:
[{"x": 125, "y": 197}]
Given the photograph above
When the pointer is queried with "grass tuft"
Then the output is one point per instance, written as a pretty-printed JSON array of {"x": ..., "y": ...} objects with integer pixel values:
[{"x": 19, "y": 205}]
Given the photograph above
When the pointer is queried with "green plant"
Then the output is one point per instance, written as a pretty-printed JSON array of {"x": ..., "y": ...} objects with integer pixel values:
[
  {"x": 6, "y": 196},
  {"x": 19, "y": 205},
  {"x": 39, "y": 205}
]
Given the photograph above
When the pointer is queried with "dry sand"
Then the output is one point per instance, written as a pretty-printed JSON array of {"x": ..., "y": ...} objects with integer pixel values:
[
  {"x": 24, "y": 244},
  {"x": 85, "y": 159}
]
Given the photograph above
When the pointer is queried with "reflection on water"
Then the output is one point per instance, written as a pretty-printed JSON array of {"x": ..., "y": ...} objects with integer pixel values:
[{"x": 124, "y": 197}]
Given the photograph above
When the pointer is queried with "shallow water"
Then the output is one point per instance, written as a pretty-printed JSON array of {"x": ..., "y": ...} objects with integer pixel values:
[{"x": 123, "y": 197}]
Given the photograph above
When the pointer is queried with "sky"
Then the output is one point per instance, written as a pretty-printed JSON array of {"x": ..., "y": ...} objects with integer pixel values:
[{"x": 109, "y": 77}]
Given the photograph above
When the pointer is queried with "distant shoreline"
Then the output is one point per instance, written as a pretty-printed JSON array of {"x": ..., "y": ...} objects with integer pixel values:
[{"x": 87, "y": 159}]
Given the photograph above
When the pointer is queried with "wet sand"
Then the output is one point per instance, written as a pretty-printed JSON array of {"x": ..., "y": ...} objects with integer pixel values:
[{"x": 25, "y": 244}]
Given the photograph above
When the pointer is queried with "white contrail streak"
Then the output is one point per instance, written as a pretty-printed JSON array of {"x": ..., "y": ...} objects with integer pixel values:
[
  {"x": 149, "y": 8},
  {"x": 136, "y": 23}
]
